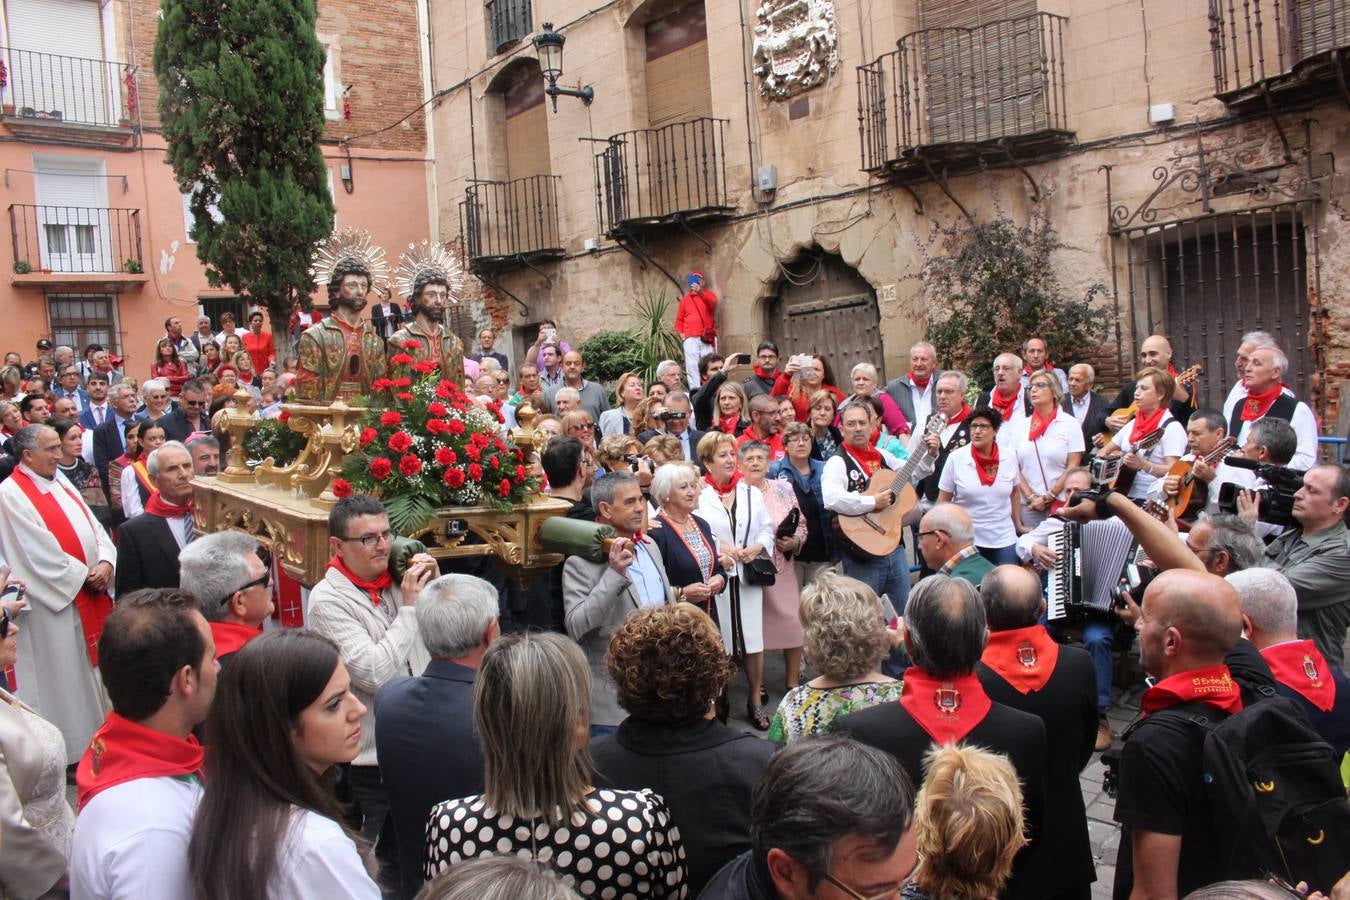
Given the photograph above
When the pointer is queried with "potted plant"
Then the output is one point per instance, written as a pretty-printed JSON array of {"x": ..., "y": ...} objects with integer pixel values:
[
  {"x": 133, "y": 266},
  {"x": 22, "y": 267}
]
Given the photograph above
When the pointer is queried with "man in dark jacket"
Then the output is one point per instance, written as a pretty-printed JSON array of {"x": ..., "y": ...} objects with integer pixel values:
[
  {"x": 190, "y": 416},
  {"x": 424, "y": 732},
  {"x": 148, "y": 545},
  {"x": 1022, "y": 667}
]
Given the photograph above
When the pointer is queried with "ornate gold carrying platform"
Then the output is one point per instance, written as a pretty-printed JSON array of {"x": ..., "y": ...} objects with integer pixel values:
[{"x": 286, "y": 507}]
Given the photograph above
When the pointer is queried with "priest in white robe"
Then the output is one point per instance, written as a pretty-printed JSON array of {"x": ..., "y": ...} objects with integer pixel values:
[{"x": 53, "y": 542}]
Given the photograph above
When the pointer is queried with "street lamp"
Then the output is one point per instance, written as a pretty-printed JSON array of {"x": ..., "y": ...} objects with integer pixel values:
[{"x": 549, "y": 45}]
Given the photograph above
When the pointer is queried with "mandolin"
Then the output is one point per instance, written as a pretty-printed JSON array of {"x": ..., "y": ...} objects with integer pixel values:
[
  {"x": 1185, "y": 379},
  {"x": 879, "y": 532},
  {"x": 1186, "y": 498}
]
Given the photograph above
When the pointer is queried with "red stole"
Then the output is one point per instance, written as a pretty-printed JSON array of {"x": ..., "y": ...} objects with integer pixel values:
[
  {"x": 986, "y": 467},
  {"x": 1038, "y": 425},
  {"x": 1146, "y": 425},
  {"x": 229, "y": 637},
  {"x": 869, "y": 460},
  {"x": 947, "y": 709},
  {"x": 158, "y": 506},
  {"x": 372, "y": 588},
  {"x": 1254, "y": 406},
  {"x": 123, "y": 751},
  {"x": 1299, "y": 665},
  {"x": 1213, "y": 685},
  {"x": 1024, "y": 657},
  {"x": 93, "y": 608},
  {"x": 914, "y": 379},
  {"x": 724, "y": 489},
  {"x": 1004, "y": 405}
]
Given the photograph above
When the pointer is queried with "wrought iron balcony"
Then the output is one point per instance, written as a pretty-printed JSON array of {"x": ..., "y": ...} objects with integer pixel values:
[
  {"x": 75, "y": 240},
  {"x": 954, "y": 96},
  {"x": 511, "y": 223},
  {"x": 44, "y": 88},
  {"x": 508, "y": 21},
  {"x": 672, "y": 175},
  {"x": 1293, "y": 49}
]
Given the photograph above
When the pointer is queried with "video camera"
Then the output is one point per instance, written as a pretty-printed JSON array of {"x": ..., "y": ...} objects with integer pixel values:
[{"x": 1277, "y": 499}]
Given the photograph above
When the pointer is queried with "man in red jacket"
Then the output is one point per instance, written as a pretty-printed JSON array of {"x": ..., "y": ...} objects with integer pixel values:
[{"x": 696, "y": 324}]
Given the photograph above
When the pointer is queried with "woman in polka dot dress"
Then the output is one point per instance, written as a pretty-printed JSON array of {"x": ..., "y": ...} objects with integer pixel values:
[{"x": 532, "y": 709}]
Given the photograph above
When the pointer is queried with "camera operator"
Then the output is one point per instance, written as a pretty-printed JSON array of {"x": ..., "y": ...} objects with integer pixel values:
[
  {"x": 1269, "y": 443},
  {"x": 1315, "y": 557}
]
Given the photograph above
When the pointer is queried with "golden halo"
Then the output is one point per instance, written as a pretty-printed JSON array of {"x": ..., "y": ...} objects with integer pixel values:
[
  {"x": 426, "y": 258},
  {"x": 354, "y": 246}
]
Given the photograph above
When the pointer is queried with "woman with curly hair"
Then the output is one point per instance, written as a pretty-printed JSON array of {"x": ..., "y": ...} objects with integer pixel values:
[
  {"x": 645, "y": 421},
  {"x": 628, "y": 396},
  {"x": 844, "y": 638},
  {"x": 669, "y": 667}
]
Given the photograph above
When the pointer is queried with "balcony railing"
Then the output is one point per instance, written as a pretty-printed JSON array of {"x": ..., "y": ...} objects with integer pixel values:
[
  {"x": 1258, "y": 43},
  {"x": 48, "y": 87},
  {"x": 75, "y": 240},
  {"x": 508, "y": 22},
  {"x": 961, "y": 88},
  {"x": 506, "y": 221},
  {"x": 654, "y": 176}
]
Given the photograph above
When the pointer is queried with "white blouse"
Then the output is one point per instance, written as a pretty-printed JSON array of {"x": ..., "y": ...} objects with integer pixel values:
[
  {"x": 989, "y": 508},
  {"x": 1174, "y": 443},
  {"x": 1043, "y": 460},
  {"x": 319, "y": 862}
]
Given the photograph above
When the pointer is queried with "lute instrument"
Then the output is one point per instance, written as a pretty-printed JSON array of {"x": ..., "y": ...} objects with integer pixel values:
[
  {"x": 879, "y": 532},
  {"x": 1181, "y": 504},
  {"x": 1185, "y": 379}
]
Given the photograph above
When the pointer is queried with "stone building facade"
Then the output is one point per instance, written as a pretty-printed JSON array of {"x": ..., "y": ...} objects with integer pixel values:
[{"x": 800, "y": 152}]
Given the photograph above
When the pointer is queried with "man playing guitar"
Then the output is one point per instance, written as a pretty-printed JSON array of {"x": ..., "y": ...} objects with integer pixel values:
[
  {"x": 950, "y": 399},
  {"x": 1208, "y": 441}
]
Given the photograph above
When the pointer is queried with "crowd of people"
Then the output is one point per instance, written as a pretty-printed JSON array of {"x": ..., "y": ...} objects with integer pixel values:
[{"x": 437, "y": 730}]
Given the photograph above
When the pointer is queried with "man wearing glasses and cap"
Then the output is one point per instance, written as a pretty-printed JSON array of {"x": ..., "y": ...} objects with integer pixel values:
[{"x": 697, "y": 325}]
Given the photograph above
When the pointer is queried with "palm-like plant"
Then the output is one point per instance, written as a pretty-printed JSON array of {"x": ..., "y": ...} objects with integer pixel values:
[{"x": 655, "y": 334}]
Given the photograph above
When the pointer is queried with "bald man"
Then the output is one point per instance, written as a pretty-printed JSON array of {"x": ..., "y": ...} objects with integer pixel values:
[
  {"x": 1155, "y": 351},
  {"x": 1169, "y": 846}
]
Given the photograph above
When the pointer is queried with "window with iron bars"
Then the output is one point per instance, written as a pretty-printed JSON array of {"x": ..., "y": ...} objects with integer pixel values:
[
  {"x": 78, "y": 320},
  {"x": 508, "y": 21}
]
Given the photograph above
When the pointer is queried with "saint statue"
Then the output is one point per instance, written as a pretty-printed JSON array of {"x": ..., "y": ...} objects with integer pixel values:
[
  {"x": 430, "y": 276},
  {"x": 342, "y": 355}
]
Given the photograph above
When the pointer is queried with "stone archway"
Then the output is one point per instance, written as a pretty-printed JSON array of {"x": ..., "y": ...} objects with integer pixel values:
[{"x": 820, "y": 304}]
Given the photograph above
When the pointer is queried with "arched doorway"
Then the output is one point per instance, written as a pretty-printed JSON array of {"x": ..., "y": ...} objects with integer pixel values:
[{"x": 822, "y": 305}]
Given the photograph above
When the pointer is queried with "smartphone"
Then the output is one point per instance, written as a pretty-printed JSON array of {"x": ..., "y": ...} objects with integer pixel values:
[{"x": 803, "y": 360}]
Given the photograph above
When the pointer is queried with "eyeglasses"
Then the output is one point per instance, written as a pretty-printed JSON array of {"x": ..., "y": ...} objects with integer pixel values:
[
  {"x": 1038, "y": 385},
  {"x": 981, "y": 426},
  {"x": 503, "y": 380},
  {"x": 194, "y": 404},
  {"x": 856, "y": 895},
  {"x": 370, "y": 541},
  {"x": 584, "y": 426},
  {"x": 264, "y": 582},
  {"x": 924, "y": 534},
  {"x": 4, "y": 623}
]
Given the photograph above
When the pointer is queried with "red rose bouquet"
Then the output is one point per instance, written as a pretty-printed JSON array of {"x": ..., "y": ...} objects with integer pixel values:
[{"x": 425, "y": 444}]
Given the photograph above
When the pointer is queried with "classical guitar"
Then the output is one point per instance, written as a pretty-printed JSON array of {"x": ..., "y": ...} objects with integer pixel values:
[
  {"x": 1187, "y": 502},
  {"x": 1185, "y": 379},
  {"x": 1125, "y": 479},
  {"x": 879, "y": 532}
]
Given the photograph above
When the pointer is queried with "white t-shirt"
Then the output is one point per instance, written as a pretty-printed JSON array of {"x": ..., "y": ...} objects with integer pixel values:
[
  {"x": 1174, "y": 443},
  {"x": 131, "y": 841},
  {"x": 1042, "y": 461},
  {"x": 319, "y": 862},
  {"x": 989, "y": 508}
]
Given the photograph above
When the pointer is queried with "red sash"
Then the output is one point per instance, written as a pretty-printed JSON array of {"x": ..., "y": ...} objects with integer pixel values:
[
  {"x": 948, "y": 710},
  {"x": 123, "y": 751},
  {"x": 1146, "y": 425},
  {"x": 724, "y": 489},
  {"x": 143, "y": 475},
  {"x": 1213, "y": 685},
  {"x": 986, "y": 467},
  {"x": 869, "y": 460},
  {"x": 373, "y": 588},
  {"x": 1039, "y": 425},
  {"x": 1254, "y": 406},
  {"x": 93, "y": 608},
  {"x": 1300, "y": 666},
  {"x": 1024, "y": 657},
  {"x": 1004, "y": 406},
  {"x": 229, "y": 637}
]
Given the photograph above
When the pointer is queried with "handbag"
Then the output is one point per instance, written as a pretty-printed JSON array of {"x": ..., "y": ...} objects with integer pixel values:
[{"x": 760, "y": 571}]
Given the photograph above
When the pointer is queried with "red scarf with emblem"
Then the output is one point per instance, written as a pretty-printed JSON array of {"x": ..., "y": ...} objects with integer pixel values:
[
  {"x": 93, "y": 608},
  {"x": 948, "y": 709},
  {"x": 724, "y": 489},
  {"x": 986, "y": 467},
  {"x": 1254, "y": 406},
  {"x": 1213, "y": 685},
  {"x": 372, "y": 588},
  {"x": 1144, "y": 425},
  {"x": 1038, "y": 425},
  {"x": 920, "y": 384},
  {"x": 1023, "y": 657},
  {"x": 869, "y": 460},
  {"x": 123, "y": 751},
  {"x": 1299, "y": 665},
  {"x": 230, "y": 636},
  {"x": 1004, "y": 405},
  {"x": 158, "y": 506}
]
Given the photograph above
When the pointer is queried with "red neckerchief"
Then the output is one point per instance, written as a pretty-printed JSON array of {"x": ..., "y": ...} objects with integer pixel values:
[
  {"x": 229, "y": 637},
  {"x": 1213, "y": 685},
  {"x": 947, "y": 709},
  {"x": 727, "y": 424},
  {"x": 93, "y": 608},
  {"x": 123, "y": 751},
  {"x": 1048, "y": 367},
  {"x": 1038, "y": 425},
  {"x": 920, "y": 384},
  {"x": 158, "y": 506},
  {"x": 1300, "y": 666},
  {"x": 985, "y": 466},
  {"x": 1023, "y": 657},
  {"x": 373, "y": 588},
  {"x": 1172, "y": 370},
  {"x": 869, "y": 460},
  {"x": 724, "y": 489},
  {"x": 1004, "y": 406},
  {"x": 767, "y": 376},
  {"x": 961, "y": 416},
  {"x": 1254, "y": 406},
  {"x": 1146, "y": 425}
]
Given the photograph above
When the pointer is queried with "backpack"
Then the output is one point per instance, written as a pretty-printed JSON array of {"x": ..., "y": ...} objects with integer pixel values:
[{"x": 1276, "y": 787}]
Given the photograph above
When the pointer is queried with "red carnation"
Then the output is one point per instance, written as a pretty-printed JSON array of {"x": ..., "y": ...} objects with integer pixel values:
[
  {"x": 342, "y": 488},
  {"x": 380, "y": 468},
  {"x": 495, "y": 462},
  {"x": 400, "y": 441},
  {"x": 443, "y": 390},
  {"x": 473, "y": 453},
  {"x": 479, "y": 439},
  {"x": 454, "y": 478},
  {"x": 456, "y": 427},
  {"x": 409, "y": 466},
  {"x": 504, "y": 489},
  {"x": 445, "y": 456},
  {"x": 436, "y": 426},
  {"x": 284, "y": 417},
  {"x": 426, "y": 367},
  {"x": 381, "y": 384},
  {"x": 497, "y": 442},
  {"x": 368, "y": 435},
  {"x": 412, "y": 344},
  {"x": 406, "y": 397},
  {"x": 437, "y": 409},
  {"x": 401, "y": 359},
  {"x": 401, "y": 382},
  {"x": 391, "y": 418},
  {"x": 475, "y": 471},
  {"x": 520, "y": 474}
]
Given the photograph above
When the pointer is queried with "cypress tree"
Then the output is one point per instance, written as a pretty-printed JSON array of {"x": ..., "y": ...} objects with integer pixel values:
[{"x": 241, "y": 101}]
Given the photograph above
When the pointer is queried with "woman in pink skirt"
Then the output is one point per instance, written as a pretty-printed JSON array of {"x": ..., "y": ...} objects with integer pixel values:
[{"x": 782, "y": 625}]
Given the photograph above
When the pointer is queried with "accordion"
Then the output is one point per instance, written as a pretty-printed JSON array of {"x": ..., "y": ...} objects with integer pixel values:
[{"x": 1091, "y": 557}]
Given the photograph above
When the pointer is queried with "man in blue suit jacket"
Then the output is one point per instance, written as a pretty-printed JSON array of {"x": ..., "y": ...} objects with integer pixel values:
[
  {"x": 95, "y": 401},
  {"x": 424, "y": 733}
]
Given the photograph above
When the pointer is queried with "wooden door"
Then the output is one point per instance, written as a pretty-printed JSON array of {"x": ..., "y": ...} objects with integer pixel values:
[{"x": 824, "y": 306}]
